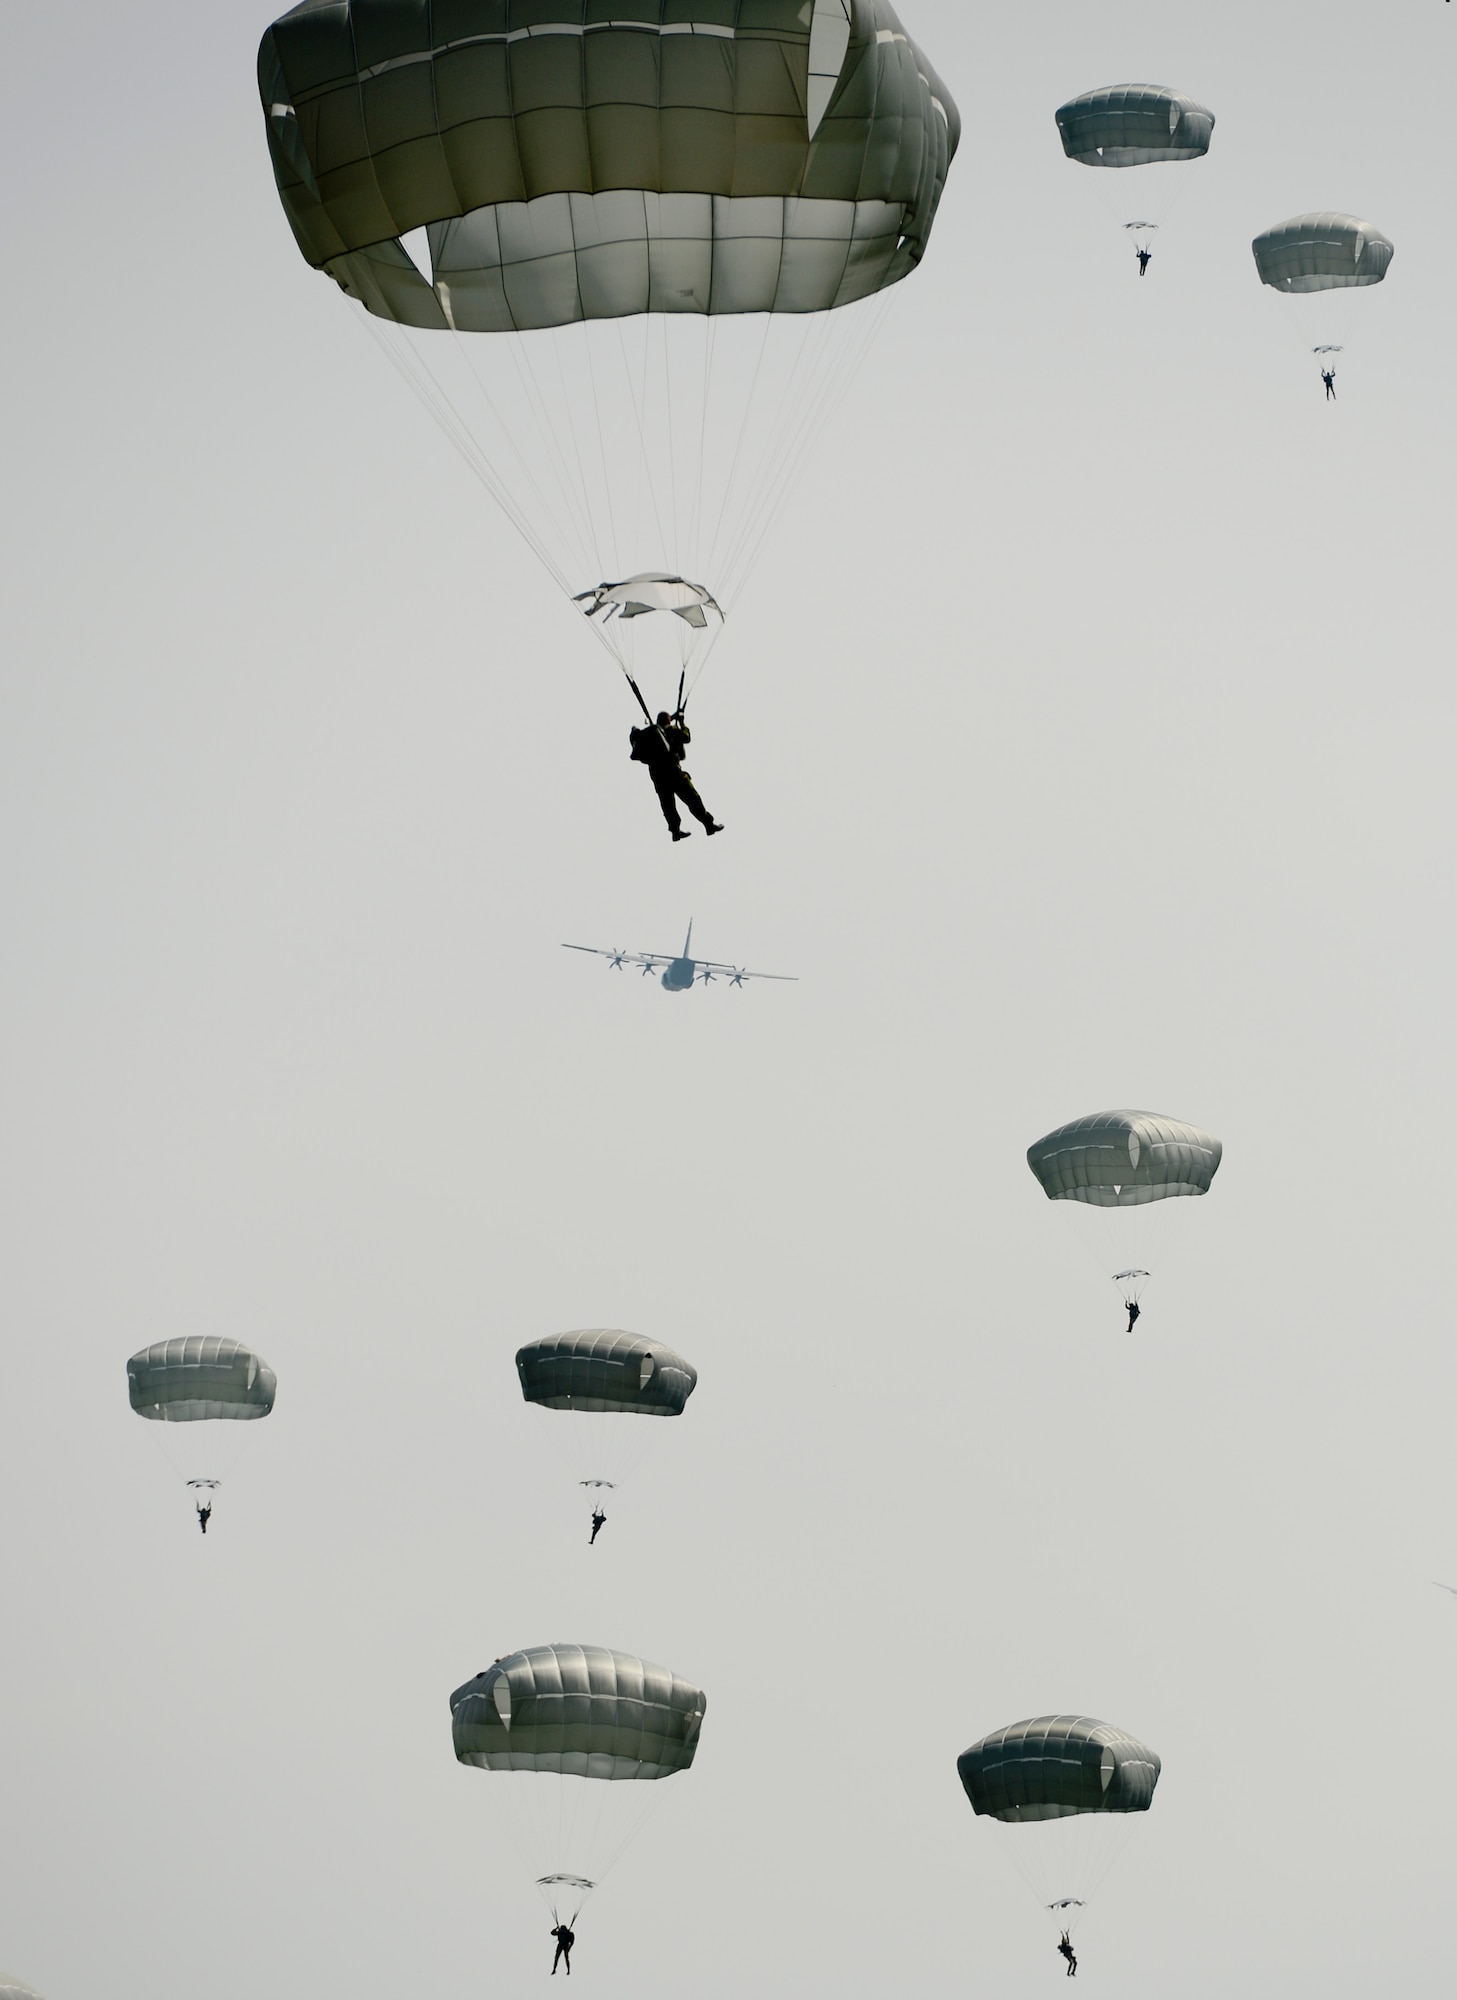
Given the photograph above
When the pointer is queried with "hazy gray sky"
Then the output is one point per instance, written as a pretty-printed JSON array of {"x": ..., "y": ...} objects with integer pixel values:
[{"x": 1083, "y": 738}]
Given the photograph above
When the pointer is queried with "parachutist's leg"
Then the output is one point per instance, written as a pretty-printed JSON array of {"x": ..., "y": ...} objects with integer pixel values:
[
  {"x": 688, "y": 793},
  {"x": 670, "y": 807}
]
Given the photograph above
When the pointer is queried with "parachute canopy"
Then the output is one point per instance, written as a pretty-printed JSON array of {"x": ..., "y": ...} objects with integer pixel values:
[
  {"x": 582, "y": 1711},
  {"x": 1133, "y": 125},
  {"x": 200, "y": 1377},
  {"x": 704, "y": 156},
  {"x": 1057, "y": 1766},
  {"x": 16, "y": 1989},
  {"x": 638, "y": 595},
  {"x": 1123, "y": 1159},
  {"x": 604, "y": 1370},
  {"x": 1322, "y": 252}
]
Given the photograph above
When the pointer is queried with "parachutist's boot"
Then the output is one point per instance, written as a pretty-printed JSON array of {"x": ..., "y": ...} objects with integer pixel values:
[
  {"x": 682, "y": 832},
  {"x": 714, "y": 826}
]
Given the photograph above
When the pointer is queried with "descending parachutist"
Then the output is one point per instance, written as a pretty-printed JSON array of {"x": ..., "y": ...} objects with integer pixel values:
[
  {"x": 565, "y": 1939},
  {"x": 660, "y": 746},
  {"x": 204, "y": 1514},
  {"x": 598, "y": 1517},
  {"x": 1328, "y": 376},
  {"x": 1066, "y": 1948},
  {"x": 1134, "y": 1309},
  {"x": 1143, "y": 256}
]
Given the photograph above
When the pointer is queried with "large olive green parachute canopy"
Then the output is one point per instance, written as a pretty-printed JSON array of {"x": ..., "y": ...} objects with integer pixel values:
[
  {"x": 1057, "y": 1766},
  {"x": 200, "y": 1378},
  {"x": 604, "y": 1370},
  {"x": 1123, "y": 1159},
  {"x": 1322, "y": 252},
  {"x": 588, "y": 159},
  {"x": 1133, "y": 125},
  {"x": 582, "y": 1711}
]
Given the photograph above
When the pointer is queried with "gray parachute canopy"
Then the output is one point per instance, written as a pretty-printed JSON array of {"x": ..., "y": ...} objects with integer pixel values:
[
  {"x": 578, "y": 160},
  {"x": 1133, "y": 125},
  {"x": 580, "y": 1710},
  {"x": 602, "y": 1369},
  {"x": 1056, "y": 1766},
  {"x": 1322, "y": 252},
  {"x": 16, "y": 1989},
  {"x": 200, "y": 1377},
  {"x": 1122, "y": 1159}
]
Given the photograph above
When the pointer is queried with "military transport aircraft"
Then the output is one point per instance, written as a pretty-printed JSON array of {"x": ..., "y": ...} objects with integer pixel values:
[{"x": 680, "y": 971}]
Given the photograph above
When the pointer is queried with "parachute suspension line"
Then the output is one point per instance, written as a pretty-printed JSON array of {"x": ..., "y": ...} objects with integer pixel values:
[
  {"x": 637, "y": 396},
  {"x": 567, "y": 497},
  {"x": 434, "y": 399},
  {"x": 732, "y": 479},
  {"x": 574, "y": 511},
  {"x": 676, "y": 561},
  {"x": 796, "y": 449},
  {"x": 695, "y": 529},
  {"x": 602, "y": 460}
]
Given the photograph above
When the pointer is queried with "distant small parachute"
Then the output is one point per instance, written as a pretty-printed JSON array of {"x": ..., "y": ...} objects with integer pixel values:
[
  {"x": 1125, "y": 1161},
  {"x": 602, "y": 1376},
  {"x": 554, "y": 1723},
  {"x": 192, "y": 1385},
  {"x": 1067, "y": 1786},
  {"x": 1327, "y": 263},
  {"x": 1322, "y": 252},
  {"x": 1133, "y": 127}
]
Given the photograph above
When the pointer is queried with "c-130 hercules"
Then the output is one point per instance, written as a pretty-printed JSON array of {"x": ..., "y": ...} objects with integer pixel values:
[{"x": 680, "y": 971}]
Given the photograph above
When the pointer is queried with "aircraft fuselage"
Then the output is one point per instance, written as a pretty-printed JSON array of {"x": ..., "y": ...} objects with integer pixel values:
[{"x": 679, "y": 975}]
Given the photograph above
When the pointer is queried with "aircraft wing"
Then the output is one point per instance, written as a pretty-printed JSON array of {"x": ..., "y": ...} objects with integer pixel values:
[
  {"x": 648, "y": 960},
  {"x": 708, "y": 969}
]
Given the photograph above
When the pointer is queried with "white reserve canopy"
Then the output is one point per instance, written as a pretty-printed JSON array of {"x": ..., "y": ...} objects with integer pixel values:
[
  {"x": 1133, "y": 125},
  {"x": 636, "y": 596},
  {"x": 199, "y": 1378},
  {"x": 1322, "y": 252},
  {"x": 1124, "y": 1159}
]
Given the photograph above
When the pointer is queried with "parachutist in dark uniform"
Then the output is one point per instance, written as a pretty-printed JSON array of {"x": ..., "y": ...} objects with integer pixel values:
[
  {"x": 1143, "y": 256},
  {"x": 1066, "y": 1948},
  {"x": 1328, "y": 376},
  {"x": 598, "y": 1517},
  {"x": 204, "y": 1514},
  {"x": 1134, "y": 1309},
  {"x": 660, "y": 746},
  {"x": 565, "y": 1939}
]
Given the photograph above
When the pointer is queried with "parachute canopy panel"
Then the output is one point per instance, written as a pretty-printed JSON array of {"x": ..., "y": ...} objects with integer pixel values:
[
  {"x": 582, "y": 1711},
  {"x": 199, "y": 1378},
  {"x": 1057, "y": 1766},
  {"x": 16, "y": 1989},
  {"x": 1122, "y": 1159},
  {"x": 1133, "y": 125},
  {"x": 1322, "y": 252},
  {"x": 603, "y": 1369},
  {"x": 707, "y": 156}
]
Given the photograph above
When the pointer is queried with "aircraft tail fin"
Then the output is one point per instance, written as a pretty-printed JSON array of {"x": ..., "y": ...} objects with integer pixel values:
[{"x": 688, "y": 941}]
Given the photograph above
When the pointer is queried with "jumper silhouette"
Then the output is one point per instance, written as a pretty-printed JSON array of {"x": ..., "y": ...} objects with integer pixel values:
[
  {"x": 1328, "y": 376},
  {"x": 1066, "y": 1948},
  {"x": 204, "y": 1515},
  {"x": 1143, "y": 256},
  {"x": 565, "y": 1939},
  {"x": 660, "y": 745},
  {"x": 598, "y": 1517},
  {"x": 1133, "y": 1311}
]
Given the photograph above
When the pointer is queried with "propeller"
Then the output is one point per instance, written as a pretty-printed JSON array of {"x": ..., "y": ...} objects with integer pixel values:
[
  {"x": 707, "y": 975},
  {"x": 736, "y": 977},
  {"x": 616, "y": 959},
  {"x": 647, "y": 968}
]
